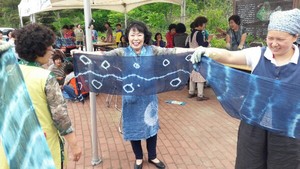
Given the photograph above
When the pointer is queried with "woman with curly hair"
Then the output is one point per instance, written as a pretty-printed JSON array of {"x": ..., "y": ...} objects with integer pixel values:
[{"x": 34, "y": 46}]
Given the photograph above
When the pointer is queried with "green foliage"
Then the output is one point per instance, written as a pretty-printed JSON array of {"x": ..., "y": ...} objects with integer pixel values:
[
  {"x": 100, "y": 17},
  {"x": 157, "y": 16},
  {"x": 251, "y": 38},
  {"x": 218, "y": 43},
  {"x": 9, "y": 13}
]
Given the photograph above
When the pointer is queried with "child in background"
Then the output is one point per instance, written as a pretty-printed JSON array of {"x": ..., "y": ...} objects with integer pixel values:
[
  {"x": 70, "y": 87},
  {"x": 119, "y": 33},
  {"x": 123, "y": 42}
]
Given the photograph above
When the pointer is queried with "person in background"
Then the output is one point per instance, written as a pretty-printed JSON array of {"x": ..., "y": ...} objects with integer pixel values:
[
  {"x": 170, "y": 35},
  {"x": 9, "y": 35},
  {"x": 236, "y": 35},
  {"x": 58, "y": 67},
  {"x": 11, "y": 40},
  {"x": 119, "y": 33},
  {"x": 70, "y": 90},
  {"x": 257, "y": 147},
  {"x": 180, "y": 36},
  {"x": 72, "y": 29},
  {"x": 45, "y": 93},
  {"x": 198, "y": 38},
  {"x": 109, "y": 33},
  {"x": 94, "y": 34},
  {"x": 3, "y": 44},
  {"x": 134, "y": 123},
  {"x": 158, "y": 40},
  {"x": 123, "y": 42},
  {"x": 67, "y": 32},
  {"x": 79, "y": 35}
]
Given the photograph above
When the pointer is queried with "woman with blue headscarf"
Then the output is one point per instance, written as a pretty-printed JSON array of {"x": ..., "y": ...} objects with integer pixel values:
[{"x": 259, "y": 147}]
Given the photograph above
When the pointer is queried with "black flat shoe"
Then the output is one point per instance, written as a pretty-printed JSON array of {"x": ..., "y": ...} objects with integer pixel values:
[
  {"x": 138, "y": 166},
  {"x": 159, "y": 165}
]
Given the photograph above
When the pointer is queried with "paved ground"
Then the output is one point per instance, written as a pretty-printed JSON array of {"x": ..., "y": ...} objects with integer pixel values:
[{"x": 198, "y": 135}]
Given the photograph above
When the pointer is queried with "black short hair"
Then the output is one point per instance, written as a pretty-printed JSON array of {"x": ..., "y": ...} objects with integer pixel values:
[
  {"x": 235, "y": 18},
  {"x": 200, "y": 20},
  {"x": 68, "y": 68},
  {"x": 33, "y": 40},
  {"x": 1, "y": 32},
  {"x": 180, "y": 28},
  {"x": 118, "y": 24},
  {"x": 158, "y": 33},
  {"x": 122, "y": 37},
  {"x": 172, "y": 26},
  {"x": 192, "y": 26},
  {"x": 58, "y": 54},
  {"x": 141, "y": 27}
]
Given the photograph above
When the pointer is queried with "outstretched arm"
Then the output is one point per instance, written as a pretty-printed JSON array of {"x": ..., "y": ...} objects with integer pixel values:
[{"x": 220, "y": 55}]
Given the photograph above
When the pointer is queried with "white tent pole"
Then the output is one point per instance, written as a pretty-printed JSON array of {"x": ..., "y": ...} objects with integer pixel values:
[
  {"x": 88, "y": 34},
  {"x": 125, "y": 14},
  {"x": 21, "y": 21},
  {"x": 183, "y": 8},
  {"x": 126, "y": 20},
  {"x": 32, "y": 18}
]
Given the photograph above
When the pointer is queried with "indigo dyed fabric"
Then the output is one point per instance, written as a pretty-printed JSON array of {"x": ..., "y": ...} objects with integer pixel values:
[
  {"x": 138, "y": 79},
  {"x": 252, "y": 98},
  {"x": 131, "y": 75},
  {"x": 268, "y": 103},
  {"x": 22, "y": 138},
  {"x": 140, "y": 113}
]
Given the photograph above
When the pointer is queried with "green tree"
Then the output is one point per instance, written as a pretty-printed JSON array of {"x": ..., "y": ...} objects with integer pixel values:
[{"x": 9, "y": 13}]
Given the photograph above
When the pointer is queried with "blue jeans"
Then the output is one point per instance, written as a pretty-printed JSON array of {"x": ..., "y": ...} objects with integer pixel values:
[{"x": 69, "y": 93}]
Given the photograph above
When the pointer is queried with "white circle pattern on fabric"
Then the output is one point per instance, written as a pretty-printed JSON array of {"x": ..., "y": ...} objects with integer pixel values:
[{"x": 150, "y": 116}]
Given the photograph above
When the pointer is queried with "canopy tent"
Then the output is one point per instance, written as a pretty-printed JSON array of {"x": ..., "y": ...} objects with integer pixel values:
[{"x": 30, "y": 7}]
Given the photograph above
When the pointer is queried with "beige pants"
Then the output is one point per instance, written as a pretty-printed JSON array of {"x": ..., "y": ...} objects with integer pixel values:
[{"x": 200, "y": 88}]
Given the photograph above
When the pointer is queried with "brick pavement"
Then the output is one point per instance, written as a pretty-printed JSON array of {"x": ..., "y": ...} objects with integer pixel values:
[{"x": 198, "y": 135}]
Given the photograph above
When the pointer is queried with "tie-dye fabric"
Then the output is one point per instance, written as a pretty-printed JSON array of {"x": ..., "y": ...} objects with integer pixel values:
[
  {"x": 140, "y": 113},
  {"x": 22, "y": 138},
  {"x": 252, "y": 98},
  {"x": 132, "y": 75},
  {"x": 268, "y": 103}
]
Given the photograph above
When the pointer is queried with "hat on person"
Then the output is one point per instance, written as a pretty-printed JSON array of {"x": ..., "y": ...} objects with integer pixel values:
[{"x": 285, "y": 21}]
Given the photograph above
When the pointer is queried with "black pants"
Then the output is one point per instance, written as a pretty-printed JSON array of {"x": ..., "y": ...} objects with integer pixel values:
[
  {"x": 151, "y": 148},
  {"x": 260, "y": 149}
]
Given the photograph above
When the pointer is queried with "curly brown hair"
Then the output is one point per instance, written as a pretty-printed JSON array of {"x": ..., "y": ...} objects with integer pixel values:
[{"x": 33, "y": 40}]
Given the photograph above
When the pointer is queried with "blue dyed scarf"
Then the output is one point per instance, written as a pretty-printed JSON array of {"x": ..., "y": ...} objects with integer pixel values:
[
  {"x": 268, "y": 103},
  {"x": 244, "y": 96},
  {"x": 23, "y": 140},
  {"x": 131, "y": 75}
]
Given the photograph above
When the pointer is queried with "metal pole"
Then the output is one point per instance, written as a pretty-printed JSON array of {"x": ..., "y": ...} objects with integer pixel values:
[
  {"x": 88, "y": 33},
  {"x": 32, "y": 18},
  {"x": 21, "y": 21},
  {"x": 125, "y": 20},
  {"x": 183, "y": 8},
  {"x": 125, "y": 14}
]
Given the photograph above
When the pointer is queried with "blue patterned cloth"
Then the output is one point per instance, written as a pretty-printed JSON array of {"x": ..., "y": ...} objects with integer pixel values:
[
  {"x": 140, "y": 113},
  {"x": 261, "y": 101},
  {"x": 252, "y": 98},
  {"x": 23, "y": 140}
]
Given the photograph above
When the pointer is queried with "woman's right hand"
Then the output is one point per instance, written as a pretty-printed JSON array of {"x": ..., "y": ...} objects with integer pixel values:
[
  {"x": 196, "y": 56},
  {"x": 76, "y": 151}
]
